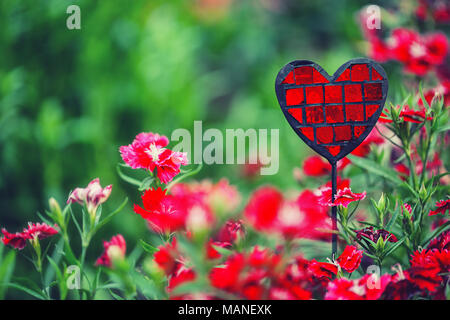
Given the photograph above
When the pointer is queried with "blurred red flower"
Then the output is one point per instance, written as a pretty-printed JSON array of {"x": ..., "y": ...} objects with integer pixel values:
[
  {"x": 315, "y": 166},
  {"x": 268, "y": 211},
  {"x": 113, "y": 249},
  {"x": 163, "y": 212}
]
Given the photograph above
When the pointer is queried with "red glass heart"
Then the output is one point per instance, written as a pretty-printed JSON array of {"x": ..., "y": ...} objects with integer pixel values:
[{"x": 332, "y": 114}]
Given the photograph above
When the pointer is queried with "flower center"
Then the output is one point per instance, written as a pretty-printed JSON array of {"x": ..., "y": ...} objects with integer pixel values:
[
  {"x": 417, "y": 50},
  {"x": 154, "y": 152}
]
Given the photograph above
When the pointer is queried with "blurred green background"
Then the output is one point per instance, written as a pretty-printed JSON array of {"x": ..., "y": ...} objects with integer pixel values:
[{"x": 70, "y": 98}]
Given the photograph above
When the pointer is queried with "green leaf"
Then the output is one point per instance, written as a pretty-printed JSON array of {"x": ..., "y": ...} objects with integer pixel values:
[
  {"x": 148, "y": 247},
  {"x": 375, "y": 168},
  {"x": 6, "y": 270},
  {"x": 111, "y": 215},
  {"x": 394, "y": 246},
  {"x": 184, "y": 176},
  {"x": 393, "y": 219},
  {"x": 26, "y": 290},
  {"x": 126, "y": 178},
  {"x": 146, "y": 183},
  {"x": 115, "y": 296}
]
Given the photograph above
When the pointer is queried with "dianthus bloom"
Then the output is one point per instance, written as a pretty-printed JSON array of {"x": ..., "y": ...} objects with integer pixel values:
[
  {"x": 374, "y": 235},
  {"x": 350, "y": 259},
  {"x": 407, "y": 114},
  {"x": 35, "y": 231},
  {"x": 343, "y": 197},
  {"x": 147, "y": 152},
  {"x": 304, "y": 217},
  {"x": 114, "y": 249},
  {"x": 315, "y": 166},
  {"x": 93, "y": 195},
  {"x": 162, "y": 212},
  {"x": 366, "y": 288},
  {"x": 418, "y": 53},
  {"x": 441, "y": 207}
]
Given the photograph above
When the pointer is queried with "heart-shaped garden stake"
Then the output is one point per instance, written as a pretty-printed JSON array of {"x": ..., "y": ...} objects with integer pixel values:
[{"x": 332, "y": 114}]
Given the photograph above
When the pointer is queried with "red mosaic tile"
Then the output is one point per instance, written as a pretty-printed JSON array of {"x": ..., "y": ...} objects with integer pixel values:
[
  {"x": 358, "y": 130},
  {"x": 370, "y": 110},
  {"x": 360, "y": 72},
  {"x": 308, "y": 132},
  {"x": 354, "y": 112},
  {"x": 353, "y": 93},
  {"x": 334, "y": 113},
  {"x": 343, "y": 133},
  {"x": 373, "y": 91},
  {"x": 345, "y": 76},
  {"x": 376, "y": 75},
  {"x": 297, "y": 113},
  {"x": 324, "y": 134},
  {"x": 333, "y": 94},
  {"x": 289, "y": 78},
  {"x": 314, "y": 95},
  {"x": 334, "y": 150},
  {"x": 294, "y": 96},
  {"x": 314, "y": 114},
  {"x": 303, "y": 75},
  {"x": 318, "y": 77}
]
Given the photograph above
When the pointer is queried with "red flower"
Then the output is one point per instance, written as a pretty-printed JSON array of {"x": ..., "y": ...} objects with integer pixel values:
[
  {"x": 424, "y": 271},
  {"x": 180, "y": 276},
  {"x": 374, "y": 235},
  {"x": 93, "y": 195},
  {"x": 403, "y": 171},
  {"x": 374, "y": 138},
  {"x": 16, "y": 240},
  {"x": 441, "y": 207},
  {"x": 227, "y": 277},
  {"x": 263, "y": 207},
  {"x": 441, "y": 243},
  {"x": 437, "y": 47},
  {"x": 350, "y": 259},
  {"x": 315, "y": 166},
  {"x": 367, "y": 287},
  {"x": 414, "y": 116},
  {"x": 322, "y": 270},
  {"x": 147, "y": 152},
  {"x": 114, "y": 249},
  {"x": 38, "y": 231},
  {"x": 343, "y": 197},
  {"x": 303, "y": 218},
  {"x": 343, "y": 289},
  {"x": 163, "y": 213},
  {"x": 211, "y": 252},
  {"x": 231, "y": 231},
  {"x": 166, "y": 257}
]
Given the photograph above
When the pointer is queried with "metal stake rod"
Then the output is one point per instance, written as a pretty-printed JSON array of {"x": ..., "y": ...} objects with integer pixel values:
[{"x": 333, "y": 210}]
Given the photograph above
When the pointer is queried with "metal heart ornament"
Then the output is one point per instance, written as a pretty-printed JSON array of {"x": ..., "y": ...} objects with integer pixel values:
[{"x": 332, "y": 114}]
